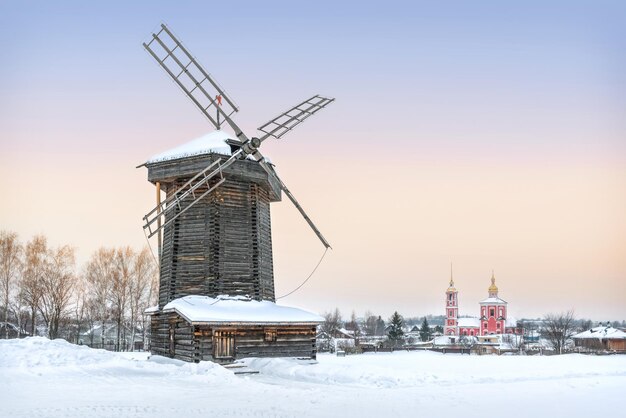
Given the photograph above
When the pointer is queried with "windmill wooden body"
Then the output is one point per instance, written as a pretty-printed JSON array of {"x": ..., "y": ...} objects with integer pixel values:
[{"x": 214, "y": 229}]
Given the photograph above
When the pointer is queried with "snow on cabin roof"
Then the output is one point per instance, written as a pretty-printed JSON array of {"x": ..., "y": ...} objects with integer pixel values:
[
  {"x": 239, "y": 309},
  {"x": 469, "y": 323},
  {"x": 601, "y": 333},
  {"x": 151, "y": 310},
  {"x": 214, "y": 142},
  {"x": 495, "y": 300}
]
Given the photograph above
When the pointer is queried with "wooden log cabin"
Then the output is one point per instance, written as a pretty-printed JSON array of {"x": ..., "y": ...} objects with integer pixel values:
[
  {"x": 216, "y": 264},
  {"x": 601, "y": 338},
  {"x": 222, "y": 329}
]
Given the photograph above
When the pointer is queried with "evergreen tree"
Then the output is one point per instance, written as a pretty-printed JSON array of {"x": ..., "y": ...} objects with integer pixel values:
[
  {"x": 395, "y": 332},
  {"x": 425, "y": 332}
]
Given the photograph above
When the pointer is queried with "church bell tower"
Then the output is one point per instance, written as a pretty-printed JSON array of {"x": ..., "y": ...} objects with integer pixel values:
[{"x": 452, "y": 309}]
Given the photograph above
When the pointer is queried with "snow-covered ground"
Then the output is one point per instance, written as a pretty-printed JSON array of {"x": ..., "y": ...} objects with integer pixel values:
[{"x": 42, "y": 378}]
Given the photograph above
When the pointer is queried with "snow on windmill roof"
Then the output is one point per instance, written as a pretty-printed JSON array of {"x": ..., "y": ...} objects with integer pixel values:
[
  {"x": 469, "y": 323},
  {"x": 493, "y": 301},
  {"x": 214, "y": 142},
  {"x": 238, "y": 309},
  {"x": 601, "y": 333}
]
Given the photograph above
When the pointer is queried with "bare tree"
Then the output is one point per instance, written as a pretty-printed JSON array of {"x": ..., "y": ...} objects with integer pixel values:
[
  {"x": 374, "y": 325},
  {"x": 81, "y": 299},
  {"x": 98, "y": 274},
  {"x": 139, "y": 289},
  {"x": 57, "y": 284},
  {"x": 558, "y": 328},
  {"x": 19, "y": 308},
  {"x": 353, "y": 325},
  {"x": 120, "y": 286},
  {"x": 92, "y": 315},
  {"x": 369, "y": 327},
  {"x": 10, "y": 264},
  {"x": 332, "y": 322},
  {"x": 30, "y": 286},
  {"x": 586, "y": 324}
]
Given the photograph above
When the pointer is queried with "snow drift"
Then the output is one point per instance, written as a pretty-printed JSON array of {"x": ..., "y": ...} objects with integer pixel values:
[{"x": 43, "y": 378}]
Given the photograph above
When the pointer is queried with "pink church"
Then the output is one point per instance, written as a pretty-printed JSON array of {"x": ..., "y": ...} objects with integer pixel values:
[{"x": 493, "y": 315}]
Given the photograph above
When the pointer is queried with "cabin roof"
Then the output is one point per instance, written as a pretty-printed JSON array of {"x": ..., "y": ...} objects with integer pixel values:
[
  {"x": 602, "y": 332},
  {"x": 238, "y": 309}
]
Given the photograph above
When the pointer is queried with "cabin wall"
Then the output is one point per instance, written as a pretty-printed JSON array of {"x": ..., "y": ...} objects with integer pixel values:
[
  {"x": 159, "y": 334},
  {"x": 617, "y": 345},
  {"x": 601, "y": 344},
  {"x": 173, "y": 337},
  {"x": 590, "y": 343},
  {"x": 250, "y": 341}
]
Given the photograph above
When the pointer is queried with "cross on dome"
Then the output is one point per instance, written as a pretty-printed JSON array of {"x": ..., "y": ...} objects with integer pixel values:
[
  {"x": 451, "y": 288},
  {"x": 493, "y": 289}
]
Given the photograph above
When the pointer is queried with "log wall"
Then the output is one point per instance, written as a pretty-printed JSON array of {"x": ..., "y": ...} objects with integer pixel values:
[
  {"x": 174, "y": 337},
  {"x": 222, "y": 244}
]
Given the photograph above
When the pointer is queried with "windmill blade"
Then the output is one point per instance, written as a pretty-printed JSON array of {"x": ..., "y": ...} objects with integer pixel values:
[
  {"x": 188, "y": 195},
  {"x": 195, "y": 82},
  {"x": 268, "y": 168},
  {"x": 288, "y": 120}
]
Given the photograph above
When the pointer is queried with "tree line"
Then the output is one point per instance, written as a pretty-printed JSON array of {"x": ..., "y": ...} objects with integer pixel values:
[
  {"x": 41, "y": 285},
  {"x": 556, "y": 329},
  {"x": 393, "y": 330}
]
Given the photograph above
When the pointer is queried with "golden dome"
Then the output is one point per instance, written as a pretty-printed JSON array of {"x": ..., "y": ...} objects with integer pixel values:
[{"x": 493, "y": 288}]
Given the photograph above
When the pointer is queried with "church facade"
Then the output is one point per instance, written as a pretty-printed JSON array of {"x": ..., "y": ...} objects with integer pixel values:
[{"x": 493, "y": 317}]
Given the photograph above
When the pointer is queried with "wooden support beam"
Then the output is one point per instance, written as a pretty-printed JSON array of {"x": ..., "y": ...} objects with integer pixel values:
[{"x": 160, "y": 234}]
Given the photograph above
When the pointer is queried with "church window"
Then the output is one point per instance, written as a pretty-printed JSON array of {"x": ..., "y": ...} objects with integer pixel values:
[{"x": 492, "y": 312}]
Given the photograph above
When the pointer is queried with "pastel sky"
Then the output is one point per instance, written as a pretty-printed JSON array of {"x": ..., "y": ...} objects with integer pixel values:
[{"x": 486, "y": 134}]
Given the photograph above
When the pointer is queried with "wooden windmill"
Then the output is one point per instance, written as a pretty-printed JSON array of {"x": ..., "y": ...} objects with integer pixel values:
[{"x": 215, "y": 221}]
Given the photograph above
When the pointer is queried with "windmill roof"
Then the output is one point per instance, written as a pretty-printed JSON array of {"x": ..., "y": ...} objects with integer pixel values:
[
  {"x": 238, "y": 309},
  {"x": 211, "y": 143}
]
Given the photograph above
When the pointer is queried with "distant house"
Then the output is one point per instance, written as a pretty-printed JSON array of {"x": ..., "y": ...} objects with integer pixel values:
[
  {"x": 335, "y": 340},
  {"x": 106, "y": 337},
  {"x": 341, "y": 333},
  {"x": 14, "y": 331},
  {"x": 602, "y": 338}
]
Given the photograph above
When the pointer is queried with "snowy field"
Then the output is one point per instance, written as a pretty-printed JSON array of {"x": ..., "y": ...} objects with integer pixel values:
[{"x": 42, "y": 378}]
